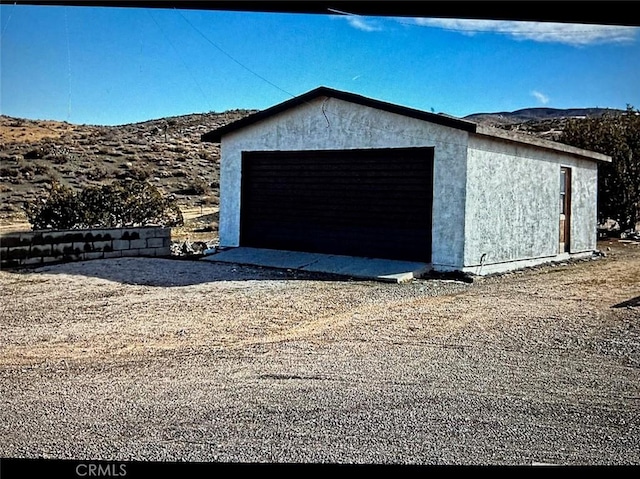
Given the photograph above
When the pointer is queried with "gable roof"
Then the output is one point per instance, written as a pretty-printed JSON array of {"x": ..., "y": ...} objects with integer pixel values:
[{"x": 215, "y": 136}]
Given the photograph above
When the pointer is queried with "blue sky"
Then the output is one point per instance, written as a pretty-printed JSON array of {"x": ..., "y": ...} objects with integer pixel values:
[{"x": 121, "y": 65}]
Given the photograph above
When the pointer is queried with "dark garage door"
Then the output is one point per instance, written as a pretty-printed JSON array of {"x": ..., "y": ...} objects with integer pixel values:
[{"x": 373, "y": 203}]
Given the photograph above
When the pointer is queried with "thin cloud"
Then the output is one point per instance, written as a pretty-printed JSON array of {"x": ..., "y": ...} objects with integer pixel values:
[
  {"x": 361, "y": 24},
  {"x": 356, "y": 21},
  {"x": 541, "y": 97},
  {"x": 566, "y": 33}
]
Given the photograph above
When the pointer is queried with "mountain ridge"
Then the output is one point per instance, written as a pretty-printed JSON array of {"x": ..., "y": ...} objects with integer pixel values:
[{"x": 539, "y": 114}]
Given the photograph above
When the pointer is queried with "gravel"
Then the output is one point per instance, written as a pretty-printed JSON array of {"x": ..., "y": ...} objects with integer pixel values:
[{"x": 169, "y": 360}]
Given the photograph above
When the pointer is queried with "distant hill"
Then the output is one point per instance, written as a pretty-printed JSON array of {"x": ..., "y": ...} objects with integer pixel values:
[
  {"x": 166, "y": 151},
  {"x": 537, "y": 114},
  {"x": 545, "y": 123}
]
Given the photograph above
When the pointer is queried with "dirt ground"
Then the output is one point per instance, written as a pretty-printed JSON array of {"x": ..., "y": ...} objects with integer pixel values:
[{"x": 199, "y": 361}]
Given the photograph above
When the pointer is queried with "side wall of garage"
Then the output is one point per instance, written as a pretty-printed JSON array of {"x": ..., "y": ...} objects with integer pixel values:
[
  {"x": 513, "y": 205},
  {"x": 329, "y": 124}
]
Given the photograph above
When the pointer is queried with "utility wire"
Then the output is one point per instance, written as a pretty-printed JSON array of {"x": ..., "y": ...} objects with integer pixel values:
[
  {"x": 325, "y": 111},
  {"x": 323, "y": 107},
  {"x": 66, "y": 26},
  {"x": 217, "y": 47},
  {"x": 8, "y": 19},
  {"x": 193, "y": 77}
]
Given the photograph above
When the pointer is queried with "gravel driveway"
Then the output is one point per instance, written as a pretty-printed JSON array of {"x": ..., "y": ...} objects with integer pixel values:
[{"x": 168, "y": 360}]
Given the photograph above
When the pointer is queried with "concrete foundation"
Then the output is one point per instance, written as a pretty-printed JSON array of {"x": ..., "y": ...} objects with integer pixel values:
[{"x": 355, "y": 267}]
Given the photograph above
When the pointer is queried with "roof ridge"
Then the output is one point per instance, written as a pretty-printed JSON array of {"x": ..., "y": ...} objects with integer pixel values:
[{"x": 215, "y": 136}]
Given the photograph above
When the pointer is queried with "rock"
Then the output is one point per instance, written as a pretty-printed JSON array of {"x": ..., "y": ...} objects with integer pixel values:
[
  {"x": 186, "y": 248},
  {"x": 610, "y": 225},
  {"x": 198, "y": 247}
]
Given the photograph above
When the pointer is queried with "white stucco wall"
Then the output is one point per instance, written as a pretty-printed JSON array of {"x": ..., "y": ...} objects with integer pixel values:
[
  {"x": 336, "y": 124},
  {"x": 495, "y": 201},
  {"x": 512, "y": 210}
]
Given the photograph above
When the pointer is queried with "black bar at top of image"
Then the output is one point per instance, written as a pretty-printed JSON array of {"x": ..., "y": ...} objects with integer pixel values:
[{"x": 613, "y": 12}]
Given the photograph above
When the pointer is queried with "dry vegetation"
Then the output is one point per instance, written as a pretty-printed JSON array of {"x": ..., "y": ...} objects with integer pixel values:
[{"x": 168, "y": 152}]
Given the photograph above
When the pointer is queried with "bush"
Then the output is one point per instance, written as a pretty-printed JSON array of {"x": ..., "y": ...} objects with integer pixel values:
[
  {"x": 197, "y": 186},
  {"x": 96, "y": 174},
  {"x": 42, "y": 170},
  {"x": 9, "y": 173},
  {"x": 619, "y": 181},
  {"x": 59, "y": 211},
  {"x": 119, "y": 204},
  {"x": 139, "y": 173}
]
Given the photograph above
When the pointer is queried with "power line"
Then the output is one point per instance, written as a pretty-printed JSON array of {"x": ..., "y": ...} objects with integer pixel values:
[
  {"x": 325, "y": 112},
  {"x": 324, "y": 109},
  {"x": 9, "y": 19},
  {"x": 231, "y": 57},
  {"x": 66, "y": 27},
  {"x": 193, "y": 77}
]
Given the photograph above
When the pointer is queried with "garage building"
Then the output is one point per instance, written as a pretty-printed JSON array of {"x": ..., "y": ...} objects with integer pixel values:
[{"x": 338, "y": 173}]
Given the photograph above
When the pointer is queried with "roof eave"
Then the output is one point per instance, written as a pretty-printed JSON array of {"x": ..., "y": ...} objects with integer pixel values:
[{"x": 540, "y": 143}]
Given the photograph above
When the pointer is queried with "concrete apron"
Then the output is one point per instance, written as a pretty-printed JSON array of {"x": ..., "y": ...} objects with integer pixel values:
[{"x": 377, "y": 269}]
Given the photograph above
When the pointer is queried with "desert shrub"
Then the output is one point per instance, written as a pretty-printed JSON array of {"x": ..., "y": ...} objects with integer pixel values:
[
  {"x": 210, "y": 201},
  {"x": 57, "y": 158},
  {"x": 139, "y": 173},
  {"x": 129, "y": 203},
  {"x": 34, "y": 154},
  {"x": 25, "y": 169},
  {"x": 619, "y": 181},
  {"x": 121, "y": 203},
  {"x": 42, "y": 170},
  {"x": 205, "y": 155},
  {"x": 59, "y": 211},
  {"x": 96, "y": 173},
  {"x": 9, "y": 172},
  {"x": 197, "y": 186}
]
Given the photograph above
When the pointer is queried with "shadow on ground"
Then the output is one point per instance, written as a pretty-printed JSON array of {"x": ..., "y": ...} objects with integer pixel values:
[
  {"x": 630, "y": 303},
  {"x": 163, "y": 272}
]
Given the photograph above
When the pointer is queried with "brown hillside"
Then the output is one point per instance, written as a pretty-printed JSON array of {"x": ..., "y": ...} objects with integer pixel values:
[{"x": 168, "y": 152}]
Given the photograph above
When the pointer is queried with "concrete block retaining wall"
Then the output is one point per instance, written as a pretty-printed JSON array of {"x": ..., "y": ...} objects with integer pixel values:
[{"x": 38, "y": 247}]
